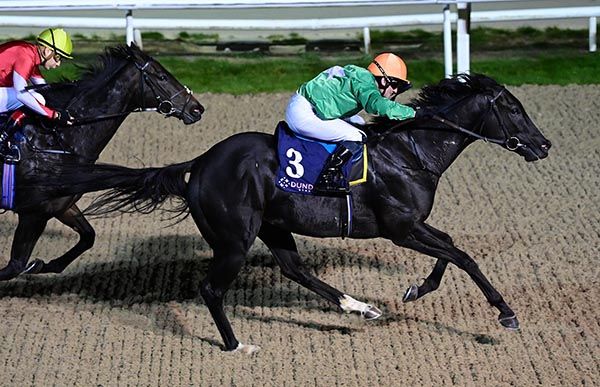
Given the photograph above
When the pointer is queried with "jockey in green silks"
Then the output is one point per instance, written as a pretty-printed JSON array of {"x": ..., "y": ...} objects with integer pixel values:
[{"x": 326, "y": 107}]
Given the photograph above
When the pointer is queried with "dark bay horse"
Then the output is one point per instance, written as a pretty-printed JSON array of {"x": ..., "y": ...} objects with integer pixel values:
[
  {"x": 124, "y": 81},
  {"x": 232, "y": 196}
]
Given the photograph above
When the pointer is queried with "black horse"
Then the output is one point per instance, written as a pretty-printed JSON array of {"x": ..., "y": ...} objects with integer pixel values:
[
  {"x": 233, "y": 199},
  {"x": 124, "y": 81}
]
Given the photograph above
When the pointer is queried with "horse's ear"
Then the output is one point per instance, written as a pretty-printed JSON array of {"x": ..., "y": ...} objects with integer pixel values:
[{"x": 137, "y": 52}]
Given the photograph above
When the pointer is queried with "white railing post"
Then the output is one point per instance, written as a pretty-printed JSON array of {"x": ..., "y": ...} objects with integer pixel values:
[
  {"x": 129, "y": 38},
  {"x": 137, "y": 37},
  {"x": 448, "y": 63},
  {"x": 592, "y": 37},
  {"x": 367, "y": 40},
  {"x": 463, "y": 64}
]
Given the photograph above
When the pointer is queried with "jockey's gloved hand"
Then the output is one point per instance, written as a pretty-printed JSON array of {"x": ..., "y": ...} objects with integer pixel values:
[
  {"x": 63, "y": 117},
  {"x": 422, "y": 114}
]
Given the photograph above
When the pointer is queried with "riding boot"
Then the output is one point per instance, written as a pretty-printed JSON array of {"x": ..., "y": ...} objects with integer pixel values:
[
  {"x": 331, "y": 179},
  {"x": 10, "y": 153}
]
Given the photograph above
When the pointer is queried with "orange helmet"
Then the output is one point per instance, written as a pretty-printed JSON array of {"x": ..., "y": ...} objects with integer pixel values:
[{"x": 388, "y": 65}]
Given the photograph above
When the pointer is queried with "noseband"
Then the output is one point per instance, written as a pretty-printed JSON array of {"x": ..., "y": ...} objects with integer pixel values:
[{"x": 165, "y": 106}]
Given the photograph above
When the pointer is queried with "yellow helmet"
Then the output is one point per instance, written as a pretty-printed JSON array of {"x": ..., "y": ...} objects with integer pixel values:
[
  {"x": 388, "y": 65},
  {"x": 58, "y": 40}
]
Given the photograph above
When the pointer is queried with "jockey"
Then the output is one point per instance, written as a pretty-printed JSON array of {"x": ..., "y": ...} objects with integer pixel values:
[
  {"x": 325, "y": 108},
  {"x": 19, "y": 66}
]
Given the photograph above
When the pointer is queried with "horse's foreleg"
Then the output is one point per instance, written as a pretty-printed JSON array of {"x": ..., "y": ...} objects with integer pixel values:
[
  {"x": 282, "y": 246},
  {"x": 76, "y": 221},
  {"x": 422, "y": 239},
  {"x": 28, "y": 232},
  {"x": 431, "y": 283}
]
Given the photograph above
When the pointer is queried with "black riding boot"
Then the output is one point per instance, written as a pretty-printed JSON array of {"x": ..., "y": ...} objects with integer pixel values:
[
  {"x": 8, "y": 153},
  {"x": 331, "y": 179}
]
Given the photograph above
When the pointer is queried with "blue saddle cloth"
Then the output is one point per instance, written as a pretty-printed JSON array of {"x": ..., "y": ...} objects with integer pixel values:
[{"x": 301, "y": 160}]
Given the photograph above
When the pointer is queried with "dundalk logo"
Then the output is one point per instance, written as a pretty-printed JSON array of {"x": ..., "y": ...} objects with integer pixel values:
[{"x": 284, "y": 182}]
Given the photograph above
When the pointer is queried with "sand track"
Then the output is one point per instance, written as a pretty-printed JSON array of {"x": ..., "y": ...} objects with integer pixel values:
[{"x": 128, "y": 312}]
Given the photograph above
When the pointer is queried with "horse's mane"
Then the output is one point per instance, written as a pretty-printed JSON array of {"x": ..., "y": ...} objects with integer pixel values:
[
  {"x": 450, "y": 89},
  {"x": 433, "y": 98},
  {"x": 93, "y": 76}
]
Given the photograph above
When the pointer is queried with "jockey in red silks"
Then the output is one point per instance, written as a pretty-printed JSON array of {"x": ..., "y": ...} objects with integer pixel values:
[
  {"x": 19, "y": 67},
  {"x": 326, "y": 107}
]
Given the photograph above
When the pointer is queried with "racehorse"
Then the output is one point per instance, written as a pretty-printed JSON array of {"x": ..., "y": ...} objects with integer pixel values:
[
  {"x": 232, "y": 196},
  {"x": 124, "y": 81}
]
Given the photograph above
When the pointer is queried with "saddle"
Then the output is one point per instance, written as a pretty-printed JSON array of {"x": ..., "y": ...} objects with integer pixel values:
[{"x": 302, "y": 159}]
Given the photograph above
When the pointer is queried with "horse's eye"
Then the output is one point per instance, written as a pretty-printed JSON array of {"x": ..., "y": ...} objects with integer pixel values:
[
  {"x": 162, "y": 77},
  {"x": 514, "y": 111}
]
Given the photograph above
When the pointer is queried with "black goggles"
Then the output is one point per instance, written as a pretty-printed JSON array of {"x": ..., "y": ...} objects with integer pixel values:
[{"x": 400, "y": 85}]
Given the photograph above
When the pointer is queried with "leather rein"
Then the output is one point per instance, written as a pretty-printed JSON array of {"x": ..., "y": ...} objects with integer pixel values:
[
  {"x": 510, "y": 142},
  {"x": 164, "y": 107}
]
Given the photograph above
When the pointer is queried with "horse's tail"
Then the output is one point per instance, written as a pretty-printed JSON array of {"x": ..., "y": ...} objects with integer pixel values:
[
  {"x": 142, "y": 190},
  {"x": 129, "y": 189}
]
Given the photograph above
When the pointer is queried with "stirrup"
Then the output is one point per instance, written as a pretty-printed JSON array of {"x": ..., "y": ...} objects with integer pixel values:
[{"x": 326, "y": 184}]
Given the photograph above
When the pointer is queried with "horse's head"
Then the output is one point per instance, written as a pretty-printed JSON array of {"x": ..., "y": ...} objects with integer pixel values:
[
  {"x": 160, "y": 89},
  {"x": 506, "y": 120},
  {"x": 488, "y": 111}
]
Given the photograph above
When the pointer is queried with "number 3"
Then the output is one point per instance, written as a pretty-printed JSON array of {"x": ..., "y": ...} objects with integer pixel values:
[{"x": 294, "y": 159}]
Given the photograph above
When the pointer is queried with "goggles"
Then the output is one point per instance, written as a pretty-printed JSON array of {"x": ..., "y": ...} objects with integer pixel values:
[{"x": 400, "y": 85}]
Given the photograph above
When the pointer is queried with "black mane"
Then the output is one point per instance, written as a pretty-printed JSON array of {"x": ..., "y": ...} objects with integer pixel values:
[
  {"x": 433, "y": 98},
  {"x": 450, "y": 89},
  {"x": 93, "y": 76}
]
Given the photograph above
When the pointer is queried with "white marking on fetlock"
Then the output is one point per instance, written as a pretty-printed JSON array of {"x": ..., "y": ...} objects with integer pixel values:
[
  {"x": 247, "y": 349},
  {"x": 349, "y": 304}
]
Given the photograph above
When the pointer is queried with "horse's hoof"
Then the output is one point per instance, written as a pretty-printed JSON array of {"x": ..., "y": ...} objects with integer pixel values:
[
  {"x": 411, "y": 294},
  {"x": 34, "y": 267},
  {"x": 509, "y": 322},
  {"x": 371, "y": 313},
  {"x": 246, "y": 349}
]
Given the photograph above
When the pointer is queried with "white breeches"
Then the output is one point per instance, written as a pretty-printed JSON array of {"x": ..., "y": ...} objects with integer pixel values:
[{"x": 302, "y": 119}]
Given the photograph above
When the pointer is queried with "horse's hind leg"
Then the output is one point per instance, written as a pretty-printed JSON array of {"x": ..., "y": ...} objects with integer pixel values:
[
  {"x": 76, "y": 221},
  {"x": 224, "y": 268},
  {"x": 425, "y": 241},
  {"x": 28, "y": 231},
  {"x": 282, "y": 245}
]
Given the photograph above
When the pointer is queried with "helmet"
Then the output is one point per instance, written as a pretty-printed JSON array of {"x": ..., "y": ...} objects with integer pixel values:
[
  {"x": 388, "y": 65},
  {"x": 58, "y": 40}
]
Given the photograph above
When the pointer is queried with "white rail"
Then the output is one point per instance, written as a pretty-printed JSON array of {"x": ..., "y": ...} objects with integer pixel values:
[
  {"x": 446, "y": 18},
  {"x": 35, "y": 5}
]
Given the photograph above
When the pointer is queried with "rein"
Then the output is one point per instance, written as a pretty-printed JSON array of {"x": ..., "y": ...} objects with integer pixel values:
[
  {"x": 165, "y": 106},
  {"x": 510, "y": 142}
]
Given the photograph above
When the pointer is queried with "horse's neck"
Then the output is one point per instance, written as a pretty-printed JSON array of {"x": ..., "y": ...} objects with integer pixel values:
[
  {"x": 119, "y": 95},
  {"x": 437, "y": 149}
]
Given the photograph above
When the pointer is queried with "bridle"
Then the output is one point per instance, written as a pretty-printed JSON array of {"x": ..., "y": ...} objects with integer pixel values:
[
  {"x": 511, "y": 143},
  {"x": 164, "y": 107}
]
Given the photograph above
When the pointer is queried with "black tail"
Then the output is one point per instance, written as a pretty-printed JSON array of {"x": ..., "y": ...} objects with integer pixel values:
[{"x": 129, "y": 189}]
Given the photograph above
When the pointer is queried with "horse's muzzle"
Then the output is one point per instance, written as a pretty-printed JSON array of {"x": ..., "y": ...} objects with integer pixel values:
[
  {"x": 193, "y": 113},
  {"x": 537, "y": 153}
]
